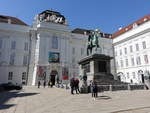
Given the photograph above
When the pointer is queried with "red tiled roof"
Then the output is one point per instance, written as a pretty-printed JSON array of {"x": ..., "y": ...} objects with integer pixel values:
[
  {"x": 130, "y": 26},
  {"x": 14, "y": 20}
]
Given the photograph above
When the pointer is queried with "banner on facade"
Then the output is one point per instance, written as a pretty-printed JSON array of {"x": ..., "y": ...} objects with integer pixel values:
[
  {"x": 41, "y": 70},
  {"x": 53, "y": 57},
  {"x": 65, "y": 73}
]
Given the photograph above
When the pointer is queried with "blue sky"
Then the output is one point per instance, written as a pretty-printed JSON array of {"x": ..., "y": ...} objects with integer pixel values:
[{"x": 106, "y": 15}]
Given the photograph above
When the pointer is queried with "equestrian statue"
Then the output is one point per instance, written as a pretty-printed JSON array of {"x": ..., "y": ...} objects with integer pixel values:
[{"x": 93, "y": 41}]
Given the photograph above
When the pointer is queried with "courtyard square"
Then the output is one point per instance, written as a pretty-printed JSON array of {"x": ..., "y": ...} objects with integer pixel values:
[{"x": 58, "y": 100}]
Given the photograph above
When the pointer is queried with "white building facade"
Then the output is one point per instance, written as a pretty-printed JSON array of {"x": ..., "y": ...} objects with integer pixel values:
[
  {"x": 57, "y": 49},
  {"x": 49, "y": 50},
  {"x": 132, "y": 51},
  {"x": 56, "y": 39},
  {"x": 15, "y": 50}
]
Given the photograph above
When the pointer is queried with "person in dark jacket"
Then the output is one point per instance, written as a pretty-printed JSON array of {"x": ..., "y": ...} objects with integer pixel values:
[
  {"x": 44, "y": 84},
  {"x": 72, "y": 85},
  {"x": 94, "y": 89},
  {"x": 77, "y": 86},
  {"x": 39, "y": 83}
]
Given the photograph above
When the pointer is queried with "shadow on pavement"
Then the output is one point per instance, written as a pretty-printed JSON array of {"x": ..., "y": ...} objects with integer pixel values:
[
  {"x": 132, "y": 110},
  {"x": 6, "y": 106},
  {"x": 103, "y": 97},
  {"x": 6, "y": 96}
]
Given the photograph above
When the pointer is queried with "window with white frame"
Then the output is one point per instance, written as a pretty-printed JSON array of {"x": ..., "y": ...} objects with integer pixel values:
[
  {"x": 24, "y": 76},
  {"x": 13, "y": 45},
  {"x": 126, "y": 62},
  {"x": 117, "y": 65},
  {"x": 12, "y": 59},
  {"x": 131, "y": 49},
  {"x": 26, "y": 46},
  {"x": 132, "y": 61},
  {"x": 115, "y": 53},
  {"x": 138, "y": 60},
  {"x": 25, "y": 59},
  {"x": 1, "y": 43},
  {"x": 146, "y": 59},
  {"x": 82, "y": 51},
  {"x": 73, "y": 60},
  {"x": 73, "y": 50},
  {"x": 144, "y": 44},
  {"x": 55, "y": 42},
  {"x": 10, "y": 75},
  {"x": 125, "y": 50},
  {"x": 128, "y": 76},
  {"x": 133, "y": 74},
  {"x": 120, "y": 52},
  {"x": 121, "y": 62},
  {"x": 137, "y": 47}
]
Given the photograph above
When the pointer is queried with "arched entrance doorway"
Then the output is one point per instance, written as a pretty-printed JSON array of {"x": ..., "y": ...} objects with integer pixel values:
[
  {"x": 121, "y": 77},
  {"x": 141, "y": 74},
  {"x": 53, "y": 75}
]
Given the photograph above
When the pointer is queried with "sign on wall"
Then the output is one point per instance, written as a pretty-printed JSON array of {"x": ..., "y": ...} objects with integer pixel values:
[
  {"x": 41, "y": 71},
  {"x": 65, "y": 73},
  {"x": 53, "y": 57}
]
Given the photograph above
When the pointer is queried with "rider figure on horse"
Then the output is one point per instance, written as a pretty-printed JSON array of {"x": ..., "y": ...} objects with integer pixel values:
[{"x": 93, "y": 41}]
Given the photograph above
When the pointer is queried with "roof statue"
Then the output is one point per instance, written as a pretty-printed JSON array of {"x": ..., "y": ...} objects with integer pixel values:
[
  {"x": 93, "y": 41},
  {"x": 51, "y": 16}
]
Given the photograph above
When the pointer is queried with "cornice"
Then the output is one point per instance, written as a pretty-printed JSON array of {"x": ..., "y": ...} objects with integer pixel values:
[{"x": 132, "y": 37}]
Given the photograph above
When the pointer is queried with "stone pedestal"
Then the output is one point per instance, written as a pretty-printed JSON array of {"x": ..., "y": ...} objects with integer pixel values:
[{"x": 96, "y": 66}]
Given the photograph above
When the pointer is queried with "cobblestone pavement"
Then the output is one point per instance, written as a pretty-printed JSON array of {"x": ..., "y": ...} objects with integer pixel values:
[{"x": 57, "y": 100}]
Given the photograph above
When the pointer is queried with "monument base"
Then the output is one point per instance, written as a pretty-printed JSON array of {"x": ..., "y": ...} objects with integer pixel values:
[{"x": 97, "y": 67}]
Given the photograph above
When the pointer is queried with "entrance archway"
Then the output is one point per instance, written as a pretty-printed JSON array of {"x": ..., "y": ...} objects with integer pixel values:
[
  {"x": 121, "y": 77},
  {"x": 53, "y": 76},
  {"x": 141, "y": 74}
]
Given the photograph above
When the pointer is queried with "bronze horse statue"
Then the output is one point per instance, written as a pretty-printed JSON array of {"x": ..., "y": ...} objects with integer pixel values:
[{"x": 92, "y": 41}]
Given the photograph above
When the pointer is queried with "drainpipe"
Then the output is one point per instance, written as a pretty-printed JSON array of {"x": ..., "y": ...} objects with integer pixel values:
[{"x": 29, "y": 56}]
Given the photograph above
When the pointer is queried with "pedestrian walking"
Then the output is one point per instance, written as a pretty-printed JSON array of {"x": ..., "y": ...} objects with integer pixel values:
[
  {"x": 39, "y": 83},
  {"x": 94, "y": 90},
  {"x": 48, "y": 83},
  {"x": 44, "y": 84},
  {"x": 51, "y": 84},
  {"x": 72, "y": 85},
  {"x": 77, "y": 86}
]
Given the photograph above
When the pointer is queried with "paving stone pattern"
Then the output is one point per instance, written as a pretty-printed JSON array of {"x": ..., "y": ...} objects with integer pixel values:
[{"x": 57, "y": 100}]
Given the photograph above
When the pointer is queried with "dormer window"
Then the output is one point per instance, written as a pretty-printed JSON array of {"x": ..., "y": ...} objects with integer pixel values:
[
  {"x": 145, "y": 19},
  {"x": 135, "y": 25}
]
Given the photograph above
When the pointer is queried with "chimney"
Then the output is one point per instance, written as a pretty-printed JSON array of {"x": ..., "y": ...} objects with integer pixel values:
[
  {"x": 120, "y": 28},
  {"x": 85, "y": 33},
  {"x": 9, "y": 21}
]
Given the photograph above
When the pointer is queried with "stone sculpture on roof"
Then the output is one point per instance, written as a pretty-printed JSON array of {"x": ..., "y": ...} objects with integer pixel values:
[{"x": 51, "y": 16}]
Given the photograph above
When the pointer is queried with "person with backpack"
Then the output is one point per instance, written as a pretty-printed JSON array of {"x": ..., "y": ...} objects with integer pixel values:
[
  {"x": 94, "y": 89},
  {"x": 77, "y": 86}
]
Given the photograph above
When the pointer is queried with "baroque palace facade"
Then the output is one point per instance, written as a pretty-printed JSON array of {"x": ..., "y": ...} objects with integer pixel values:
[
  {"x": 132, "y": 51},
  {"x": 50, "y": 50}
]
